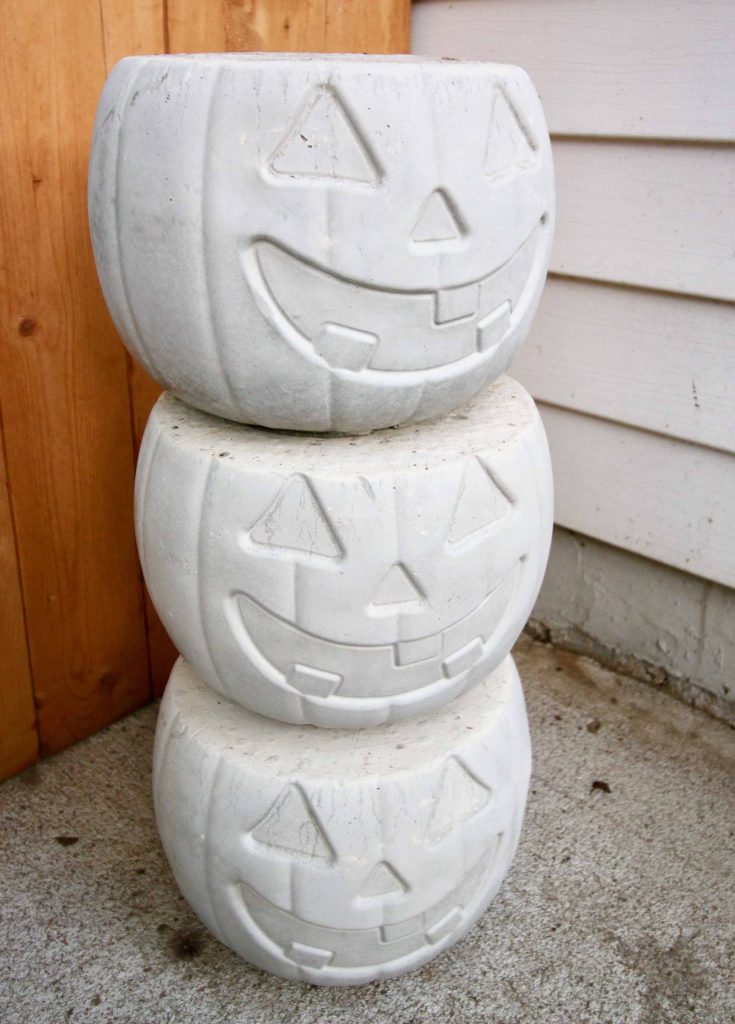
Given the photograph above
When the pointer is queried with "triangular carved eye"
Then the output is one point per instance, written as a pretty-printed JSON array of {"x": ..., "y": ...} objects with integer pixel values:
[
  {"x": 292, "y": 825},
  {"x": 481, "y": 502},
  {"x": 296, "y": 522},
  {"x": 460, "y": 797},
  {"x": 324, "y": 143},
  {"x": 511, "y": 146}
]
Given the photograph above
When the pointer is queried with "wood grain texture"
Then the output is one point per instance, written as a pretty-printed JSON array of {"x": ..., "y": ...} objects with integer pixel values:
[
  {"x": 655, "y": 216},
  {"x": 18, "y": 734},
  {"x": 63, "y": 386},
  {"x": 603, "y": 67},
  {"x": 336, "y": 26},
  {"x": 75, "y": 405},
  {"x": 380, "y": 27},
  {"x": 130, "y": 28},
  {"x": 217, "y": 26},
  {"x": 664, "y": 363},
  {"x": 665, "y": 499}
]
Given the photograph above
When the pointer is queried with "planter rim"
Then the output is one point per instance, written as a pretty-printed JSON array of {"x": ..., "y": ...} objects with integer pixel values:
[{"x": 257, "y": 57}]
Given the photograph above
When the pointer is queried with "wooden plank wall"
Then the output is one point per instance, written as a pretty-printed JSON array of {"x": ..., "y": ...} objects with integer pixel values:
[
  {"x": 80, "y": 645},
  {"x": 632, "y": 353}
]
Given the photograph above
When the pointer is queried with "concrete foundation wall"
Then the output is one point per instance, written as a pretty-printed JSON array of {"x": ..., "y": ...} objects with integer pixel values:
[{"x": 640, "y": 616}]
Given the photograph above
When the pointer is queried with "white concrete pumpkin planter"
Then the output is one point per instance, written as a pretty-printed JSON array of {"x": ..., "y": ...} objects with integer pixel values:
[
  {"x": 340, "y": 244},
  {"x": 335, "y": 857},
  {"x": 345, "y": 581},
  {"x": 321, "y": 243}
]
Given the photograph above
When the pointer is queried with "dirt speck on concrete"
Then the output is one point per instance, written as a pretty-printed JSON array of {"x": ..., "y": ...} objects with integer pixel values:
[
  {"x": 186, "y": 944},
  {"x": 66, "y": 840},
  {"x": 604, "y": 787}
]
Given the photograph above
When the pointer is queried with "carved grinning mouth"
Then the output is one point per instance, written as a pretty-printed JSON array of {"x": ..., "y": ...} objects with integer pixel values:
[
  {"x": 408, "y": 333},
  {"x": 313, "y": 666},
  {"x": 314, "y": 946}
]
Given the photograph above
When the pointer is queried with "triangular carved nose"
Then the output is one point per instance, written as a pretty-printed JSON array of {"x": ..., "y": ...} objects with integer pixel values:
[
  {"x": 398, "y": 592},
  {"x": 437, "y": 221},
  {"x": 383, "y": 880}
]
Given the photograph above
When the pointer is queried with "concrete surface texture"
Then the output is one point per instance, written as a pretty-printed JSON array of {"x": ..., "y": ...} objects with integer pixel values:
[
  {"x": 641, "y": 617},
  {"x": 270, "y": 255},
  {"x": 338, "y": 857},
  {"x": 618, "y": 908},
  {"x": 346, "y": 581}
]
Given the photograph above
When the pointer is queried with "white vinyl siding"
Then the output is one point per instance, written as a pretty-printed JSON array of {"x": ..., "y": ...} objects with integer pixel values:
[
  {"x": 632, "y": 353},
  {"x": 651, "y": 69},
  {"x": 660, "y": 362}
]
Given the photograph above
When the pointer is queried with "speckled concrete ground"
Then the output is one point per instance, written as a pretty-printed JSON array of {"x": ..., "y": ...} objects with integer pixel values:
[{"x": 619, "y": 909}]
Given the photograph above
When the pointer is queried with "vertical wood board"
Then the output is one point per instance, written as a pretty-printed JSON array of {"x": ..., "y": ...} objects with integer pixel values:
[
  {"x": 18, "y": 734},
  {"x": 336, "y": 26},
  {"x": 380, "y": 27},
  {"x": 63, "y": 386},
  {"x": 73, "y": 402}
]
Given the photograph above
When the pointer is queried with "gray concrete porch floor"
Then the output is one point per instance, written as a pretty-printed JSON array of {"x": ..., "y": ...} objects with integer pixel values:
[{"x": 620, "y": 907}]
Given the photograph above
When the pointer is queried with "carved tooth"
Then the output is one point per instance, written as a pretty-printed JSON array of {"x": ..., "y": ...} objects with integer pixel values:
[
  {"x": 402, "y": 929},
  {"x": 447, "y": 924},
  {"x": 408, "y": 652},
  {"x": 456, "y": 303},
  {"x": 491, "y": 329},
  {"x": 308, "y": 956},
  {"x": 313, "y": 682},
  {"x": 463, "y": 659},
  {"x": 345, "y": 348}
]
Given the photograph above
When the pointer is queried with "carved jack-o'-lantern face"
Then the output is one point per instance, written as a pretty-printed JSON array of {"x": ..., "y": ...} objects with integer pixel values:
[
  {"x": 381, "y": 917},
  {"x": 344, "y": 582},
  {"x": 338, "y": 861},
  {"x": 357, "y": 599},
  {"x": 321, "y": 243},
  {"x": 396, "y": 314}
]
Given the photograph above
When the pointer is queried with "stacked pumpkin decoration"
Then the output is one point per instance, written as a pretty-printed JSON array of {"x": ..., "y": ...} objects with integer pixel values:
[{"x": 343, "y": 510}]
